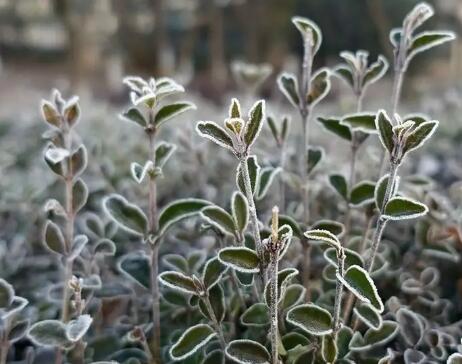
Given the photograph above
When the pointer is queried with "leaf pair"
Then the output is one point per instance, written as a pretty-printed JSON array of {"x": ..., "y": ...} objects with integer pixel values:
[
  {"x": 60, "y": 113},
  {"x": 162, "y": 154},
  {"x": 280, "y": 134},
  {"x": 239, "y": 135}
]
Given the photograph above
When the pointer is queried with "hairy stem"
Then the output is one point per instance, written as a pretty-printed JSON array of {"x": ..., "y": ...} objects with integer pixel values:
[
  {"x": 306, "y": 265},
  {"x": 216, "y": 325},
  {"x": 381, "y": 223},
  {"x": 338, "y": 291},
  {"x": 253, "y": 215},
  {"x": 282, "y": 188},
  {"x": 274, "y": 330},
  {"x": 397, "y": 87}
]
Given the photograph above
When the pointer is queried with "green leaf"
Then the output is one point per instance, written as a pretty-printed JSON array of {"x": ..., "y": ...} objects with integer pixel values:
[
  {"x": 49, "y": 333},
  {"x": 385, "y": 128},
  {"x": 351, "y": 257},
  {"x": 162, "y": 153},
  {"x": 344, "y": 72},
  {"x": 293, "y": 295},
  {"x": 71, "y": 111},
  {"x": 399, "y": 208},
  {"x": 375, "y": 71},
  {"x": 362, "y": 121},
  {"x": 411, "y": 326},
  {"x": 289, "y": 87},
  {"x": 213, "y": 271},
  {"x": 176, "y": 262},
  {"x": 18, "y": 330},
  {"x": 254, "y": 173},
  {"x": 77, "y": 328},
  {"x": 267, "y": 176},
  {"x": 219, "y": 218},
  {"x": 333, "y": 125},
  {"x": 344, "y": 336},
  {"x": 358, "y": 281},
  {"x": 367, "y": 314},
  {"x": 324, "y": 236},
  {"x": 6, "y": 294},
  {"x": 362, "y": 193},
  {"x": 217, "y": 301},
  {"x": 168, "y": 112},
  {"x": 287, "y": 220},
  {"x": 274, "y": 130},
  {"x": 214, "y": 357},
  {"x": 53, "y": 238},
  {"x": 311, "y": 318},
  {"x": 247, "y": 352},
  {"x": 329, "y": 349},
  {"x": 79, "y": 195},
  {"x": 426, "y": 40},
  {"x": 340, "y": 185},
  {"x": 50, "y": 114},
  {"x": 240, "y": 211},
  {"x": 334, "y": 227},
  {"x": 419, "y": 135},
  {"x": 140, "y": 172},
  {"x": 380, "y": 189},
  {"x": 215, "y": 133},
  {"x": 315, "y": 155},
  {"x": 320, "y": 86},
  {"x": 234, "y": 109},
  {"x": 285, "y": 128},
  {"x": 178, "y": 281},
  {"x": 256, "y": 315},
  {"x": 136, "y": 266},
  {"x": 309, "y": 29},
  {"x": 105, "y": 247},
  {"x": 241, "y": 259},
  {"x": 126, "y": 215},
  {"x": 136, "y": 116},
  {"x": 255, "y": 123},
  {"x": 374, "y": 338},
  {"x": 284, "y": 277},
  {"x": 179, "y": 210},
  {"x": 191, "y": 341}
]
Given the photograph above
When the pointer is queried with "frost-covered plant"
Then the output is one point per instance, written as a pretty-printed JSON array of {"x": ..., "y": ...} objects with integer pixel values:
[{"x": 249, "y": 76}]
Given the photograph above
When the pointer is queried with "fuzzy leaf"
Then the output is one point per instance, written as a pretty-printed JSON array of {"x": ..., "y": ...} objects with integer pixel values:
[
  {"x": 168, "y": 112},
  {"x": 367, "y": 314},
  {"x": 358, "y": 281},
  {"x": 287, "y": 220},
  {"x": 334, "y": 227},
  {"x": 315, "y": 155},
  {"x": 374, "y": 338},
  {"x": 340, "y": 185},
  {"x": 411, "y": 326},
  {"x": 247, "y": 352},
  {"x": 363, "y": 121},
  {"x": 6, "y": 294},
  {"x": 135, "y": 115},
  {"x": 289, "y": 87},
  {"x": 105, "y": 247},
  {"x": 320, "y": 86},
  {"x": 50, "y": 114},
  {"x": 213, "y": 272},
  {"x": 255, "y": 123},
  {"x": 179, "y": 210},
  {"x": 137, "y": 267},
  {"x": 53, "y": 238},
  {"x": 293, "y": 295},
  {"x": 385, "y": 128},
  {"x": 176, "y": 262},
  {"x": 256, "y": 315},
  {"x": 241, "y": 259},
  {"x": 178, "y": 281},
  {"x": 49, "y": 333},
  {"x": 426, "y": 40},
  {"x": 162, "y": 153},
  {"x": 333, "y": 125},
  {"x": 311, "y": 318},
  {"x": 219, "y": 218},
  {"x": 18, "y": 330},
  {"x": 284, "y": 277},
  {"x": 309, "y": 29},
  {"x": 79, "y": 194},
  {"x": 376, "y": 71},
  {"x": 351, "y": 257},
  {"x": 234, "y": 109},
  {"x": 362, "y": 193},
  {"x": 399, "y": 208},
  {"x": 329, "y": 349},
  {"x": 240, "y": 211},
  {"x": 344, "y": 72},
  {"x": 127, "y": 215},
  {"x": 419, "y": 135},
  {"x": 215, "y": 133},
  {"x": 140, "y": 172},
  {"x": 71, "y": 112},
  {"x": 79, "y": 160},
  {"x": 380, "y": 189},
  {"x": 191, "y": 341},
  {"x": 217, "y": 301},
  {"x": 77, "y": 328},
  {"x": 324, "y": 236},
  {"x": 267, "y": 176}
]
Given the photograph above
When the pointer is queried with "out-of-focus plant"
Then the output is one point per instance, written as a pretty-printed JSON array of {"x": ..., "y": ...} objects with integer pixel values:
[{"x": 249, "y": 76}]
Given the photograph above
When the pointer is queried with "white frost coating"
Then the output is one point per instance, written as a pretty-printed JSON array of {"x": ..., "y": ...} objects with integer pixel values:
[
  {"x": 239, "y": 174},
  {"x": 135, "y": 169},
  {"x": 260, "y": 122},
  {"x": 55, "y": 155},
  {"x": 173, "y": 286},
  {"x": 219, "y": 226},
  {"x": 283, "y": 89},
  {"x": 381, "y": 60},
  {"x": 186, "y": 106},
  {"x": 300, "y": 325},
  {"x": 209, "y": 262},
  {"x": 323, "y": 235},
  {"x": 16, "y": 306},
  {"x": 386, "y": 117},
  {"x": 208, "y": 136},
  {"x": 368, "y": 200},
  {"x": 401, "y": 319},
  {"x": 238, "y": 267},
  {"x": 139, "y": 254},
  {"x": 168, "y": 260},
  {"x": 328, "y": 84},
  {"x": 241, "y": 360},
  {"x": 409, "y": 216},
  {"x": 366, "y": 320},
  {"x": 447, "y": 36},
  {"x": 300, "y": 21},
  {"x": 249, "y": 311},
  {"x": 234, "y": 101},
  {"x": 233, "y": 208},
  {"x": 357, "y": 293},
  {"x": 261, "y": 192},
  {"x": 171, "y": 149},
  {"x": 196, "y": 348},
  {"x": 76, "y": 329},
  {"x": 359, "y": 128},
  {"x": 428, "y": 136},
  {"x": 124, "y": 201}
]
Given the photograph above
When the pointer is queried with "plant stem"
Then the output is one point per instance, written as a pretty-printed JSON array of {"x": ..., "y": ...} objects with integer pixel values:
[
  {"x": 274, "y": 330},
  {"x": 253, "y": 215},
  {"x": 215, "y": 323},
  {"x": 338, "y": 291},
  {"x": 381, "y": 223},
  {"x": 282, "y": 189},
  {"x": 306, "y": 264},
  {"x": 397, "y": 86},
  {"x": 3, "y": 353}
]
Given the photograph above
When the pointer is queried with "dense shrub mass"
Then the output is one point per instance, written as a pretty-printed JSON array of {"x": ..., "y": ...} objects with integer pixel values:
[{"x": 276, "y": 259}]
